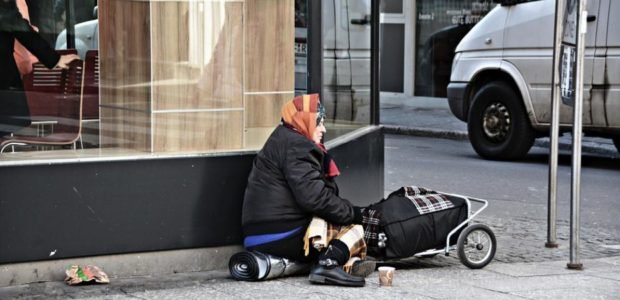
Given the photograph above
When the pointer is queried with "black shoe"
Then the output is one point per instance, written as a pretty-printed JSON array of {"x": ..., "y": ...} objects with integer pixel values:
[
  {"x": 329, "y": 272},
  {"x": 363, "y": 268}
]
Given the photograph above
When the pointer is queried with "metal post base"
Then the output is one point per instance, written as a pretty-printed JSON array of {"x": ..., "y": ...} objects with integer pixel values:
[
  {"x": 551, "y": 245},
  {"x": 575, "y": 266}
]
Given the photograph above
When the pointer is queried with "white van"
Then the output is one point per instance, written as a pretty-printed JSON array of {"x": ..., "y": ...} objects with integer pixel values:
[{"x": 500, "y": 82}]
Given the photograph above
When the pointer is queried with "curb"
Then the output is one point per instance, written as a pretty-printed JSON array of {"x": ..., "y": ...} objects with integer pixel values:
[
  {"x": 589, "y": 147},
  {"x": 425, "y": 132},
  {"x": 122, "y": 265}
]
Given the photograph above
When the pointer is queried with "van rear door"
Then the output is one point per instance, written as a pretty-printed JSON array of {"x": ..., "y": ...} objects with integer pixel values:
[
  {"x": 599, "y": 88},
  {"x": 612, "y": 68}
]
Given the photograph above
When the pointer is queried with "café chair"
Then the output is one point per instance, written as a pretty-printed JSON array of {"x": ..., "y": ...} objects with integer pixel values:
[{"x": 68, "y": 129}]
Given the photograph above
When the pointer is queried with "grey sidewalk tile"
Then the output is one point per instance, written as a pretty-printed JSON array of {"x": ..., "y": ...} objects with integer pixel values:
[
  {"x": 271, "y": 289},
  {"x": 613, "y": 260},
  {"x": 108, "y": 297},
  {"x": 532, "y": 269},
  {"x": 435, "y": 276},
  {"x": 372, "y": 290},
  {"x": 533, "y": 283},
  {"x": 572, "y": 293},
  {"x": 456, "y": 289},
  {"x": 609, "y": 275},
  {"x": 447, "y": 283},
  {"x": 196, "y": 292},
  {"x": 595, "y": 266}
]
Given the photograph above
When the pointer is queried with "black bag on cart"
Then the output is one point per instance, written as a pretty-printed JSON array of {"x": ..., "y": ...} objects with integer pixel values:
[{"x": 416, "y": 219}]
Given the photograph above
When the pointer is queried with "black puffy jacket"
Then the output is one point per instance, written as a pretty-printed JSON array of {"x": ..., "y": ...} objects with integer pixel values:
[{"x": 287, "y": 187}]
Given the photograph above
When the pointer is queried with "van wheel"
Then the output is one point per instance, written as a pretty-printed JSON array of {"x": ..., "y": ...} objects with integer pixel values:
[{"x": 498, "y": 125}]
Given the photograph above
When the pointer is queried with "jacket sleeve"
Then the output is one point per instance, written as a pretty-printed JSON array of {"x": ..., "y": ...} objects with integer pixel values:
[
  {"x": 11, "y": 21},
  {"x": 304, "y": 177}
]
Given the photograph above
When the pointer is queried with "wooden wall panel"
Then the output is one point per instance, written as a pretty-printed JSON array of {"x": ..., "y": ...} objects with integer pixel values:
[
  {"x": 211, "y": 75},
  {"x": 262, "y": 114},
  {"x": 256, "y": 137},
  {"x": 264, "y": 110},
  {"x": 166, "y": 64},
  {"x": 125, "y": 129},
  {"x": 220, "y": 82},
  {"x": 124, "y": 42},
  {"x": 169, "y": 45},
  {"x": 270, "y": 38},
  {"x": 198, "y": 131}
]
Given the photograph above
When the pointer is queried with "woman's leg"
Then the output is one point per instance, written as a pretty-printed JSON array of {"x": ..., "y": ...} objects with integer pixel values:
[
  {"x": 344, "y": 242},
  {"x": 353, "y": 237},
  {"x": 291, "y": 247}
]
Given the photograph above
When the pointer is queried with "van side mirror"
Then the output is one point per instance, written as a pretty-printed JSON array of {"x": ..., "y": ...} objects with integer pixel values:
[{"x": 96, "y": 12}]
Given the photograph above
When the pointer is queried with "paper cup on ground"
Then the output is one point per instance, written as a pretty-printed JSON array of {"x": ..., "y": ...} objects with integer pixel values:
[{"x": 386, "y": 276}]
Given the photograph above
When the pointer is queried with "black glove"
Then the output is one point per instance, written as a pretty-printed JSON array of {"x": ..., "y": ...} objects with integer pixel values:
[{"x": 358, "y": 214}]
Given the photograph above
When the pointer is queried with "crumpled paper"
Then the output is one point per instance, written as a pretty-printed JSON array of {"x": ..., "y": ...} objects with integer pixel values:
[{"x": 77, "y": 274}]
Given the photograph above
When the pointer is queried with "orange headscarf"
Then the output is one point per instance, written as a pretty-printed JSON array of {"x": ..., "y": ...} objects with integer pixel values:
[{"x": 301, "y": 112}]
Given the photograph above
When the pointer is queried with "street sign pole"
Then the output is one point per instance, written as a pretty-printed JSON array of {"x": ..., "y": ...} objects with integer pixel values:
[
  {"x": 575, "y": 207},
  {"x": 552, "y": 192},
  {"x": 568, "y": 61}
]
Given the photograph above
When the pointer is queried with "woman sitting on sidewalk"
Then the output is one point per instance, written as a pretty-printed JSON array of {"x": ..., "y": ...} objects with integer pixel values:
[{"x": 292, "y": 182}]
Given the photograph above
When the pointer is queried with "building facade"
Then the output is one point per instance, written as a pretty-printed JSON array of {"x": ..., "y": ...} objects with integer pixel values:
[
  {"x": 182, "y": 95},
  {"x": 186, "y": 94}
]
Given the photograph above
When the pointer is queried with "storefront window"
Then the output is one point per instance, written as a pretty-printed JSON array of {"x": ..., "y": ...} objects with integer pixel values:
[
  {"x": 86, "y": 25},
  {"x": 42, "y": 95},
  {"x": 177, "y": 77},
  {"x": 392, "y": 6},
  {"x": 301, "y": 47},
  {"x": 440, "y": 26},
  {"x": 194, "y": 76}
]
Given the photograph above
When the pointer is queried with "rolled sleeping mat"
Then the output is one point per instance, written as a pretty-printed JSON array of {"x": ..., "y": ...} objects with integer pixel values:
[{"x": 256, "y": 266}]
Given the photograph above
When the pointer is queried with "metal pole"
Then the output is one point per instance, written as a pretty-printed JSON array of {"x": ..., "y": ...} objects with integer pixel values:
[
  {"x": 314, "y": 44},
  {"x": 375, "y": 47},
  {"x": 555, "y": 128},
  {"x": 70, "y": 23},
  {"x": 576, "y": 160}
]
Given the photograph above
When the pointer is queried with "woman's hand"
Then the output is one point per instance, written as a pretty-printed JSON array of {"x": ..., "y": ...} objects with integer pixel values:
[
  {"x": 358, "y": 215},
  {"x": 63, "y": 62}
]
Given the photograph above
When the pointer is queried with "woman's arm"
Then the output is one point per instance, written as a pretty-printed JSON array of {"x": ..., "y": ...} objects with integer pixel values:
[
  {"x": 11, "y": 21},
  {"x": 304, "y": 176}
]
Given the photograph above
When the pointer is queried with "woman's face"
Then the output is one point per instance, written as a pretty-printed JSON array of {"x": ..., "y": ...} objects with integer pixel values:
[{"x": 317, "y": 136}]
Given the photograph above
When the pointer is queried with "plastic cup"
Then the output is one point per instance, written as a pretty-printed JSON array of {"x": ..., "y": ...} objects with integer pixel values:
[{"x": 386, "y": 276}]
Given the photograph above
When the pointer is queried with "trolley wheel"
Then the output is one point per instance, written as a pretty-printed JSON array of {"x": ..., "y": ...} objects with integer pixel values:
[{"x": 476, "y": 246}]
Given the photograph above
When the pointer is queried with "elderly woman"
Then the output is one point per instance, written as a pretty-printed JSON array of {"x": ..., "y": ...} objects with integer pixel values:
[{"x": 292, "y": 183}]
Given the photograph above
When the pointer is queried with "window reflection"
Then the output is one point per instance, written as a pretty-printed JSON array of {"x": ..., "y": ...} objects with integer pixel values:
[
  {"x": 440, "y": 26},
  {"x": 346, "y": 65},
  {"x": 179, "y": 76},
  {"x": 199, "y": 76}
]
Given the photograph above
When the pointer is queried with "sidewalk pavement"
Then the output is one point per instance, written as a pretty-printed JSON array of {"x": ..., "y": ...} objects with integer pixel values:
[
  {"x": 421, "y": 279},
  {"x": 523, "y": 269}
]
